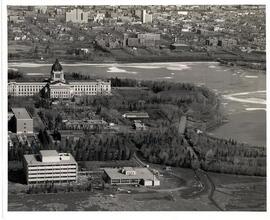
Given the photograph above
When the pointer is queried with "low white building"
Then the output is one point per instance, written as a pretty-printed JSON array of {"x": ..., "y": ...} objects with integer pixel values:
[{"x": 130, "y": 176}]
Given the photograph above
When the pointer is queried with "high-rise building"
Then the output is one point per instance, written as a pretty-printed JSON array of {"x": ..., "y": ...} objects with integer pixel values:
[
  {"x": 77, "y": 16},
  {"x": 146, "y": 18}
]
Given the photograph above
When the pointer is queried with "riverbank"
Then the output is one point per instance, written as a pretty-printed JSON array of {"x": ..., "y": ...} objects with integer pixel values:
[
  {"x": 228, "y": 61},
  {"x": 121, "y": 61}
]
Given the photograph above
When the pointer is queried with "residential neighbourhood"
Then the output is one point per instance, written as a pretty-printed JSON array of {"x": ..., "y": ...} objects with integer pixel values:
[{"x": 135, "y": 32}]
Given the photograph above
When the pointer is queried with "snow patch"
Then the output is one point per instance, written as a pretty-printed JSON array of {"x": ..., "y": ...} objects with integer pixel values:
[
  {"x": 251, "y": 77},
  {"x": 36, "y": 74},
  {"x": 233, "y": 97},
  {"x": 115, "y": 69},
  {"x": 256, "y": 109}
]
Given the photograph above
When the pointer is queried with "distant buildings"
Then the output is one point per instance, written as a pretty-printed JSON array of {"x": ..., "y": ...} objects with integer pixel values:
[
  {"x": 99, "y": 17},
  {"x": 22, "y": 123},
  {"x": 16, "y": 19},
  {"x": 149, "y": 39},
  {"x": 221, "y": 42},
  {"x": 57, "y": 87},
  {"x": 143, "y": 16},
  {"x": 84, "y": 124},
  {"x": 141, "y": 40},
  {"x": 139, "y": 126},
  {"x": 130, "y": 176},
  {"x": 77, "y": 16},
  {"x": 41, "y": 9},
  {"x": 50, "y": 166}
]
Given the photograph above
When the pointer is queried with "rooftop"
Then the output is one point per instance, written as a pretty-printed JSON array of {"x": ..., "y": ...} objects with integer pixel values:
[
  {"x": 136, "y": 114},
  {"x": 35, "y": 159},
  {"x": 48, "y": 153},
  {"x": 21, "y": 113},
  {"x": 141, "y": 173}
]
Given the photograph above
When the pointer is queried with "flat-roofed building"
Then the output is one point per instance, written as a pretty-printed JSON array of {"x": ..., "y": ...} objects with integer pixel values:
[
  {"x": 23, "y": 122},
  {"x": 130, "y": 176},
  {"x": 136, "y": 115},
  {"x": 50, "y": 166}
]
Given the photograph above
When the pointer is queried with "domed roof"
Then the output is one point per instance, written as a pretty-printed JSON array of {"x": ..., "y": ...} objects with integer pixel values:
[{"x": 57, "y": 66}]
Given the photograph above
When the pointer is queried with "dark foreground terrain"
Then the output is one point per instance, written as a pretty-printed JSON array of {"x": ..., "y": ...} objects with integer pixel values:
[{"x": 180, "y": 190}]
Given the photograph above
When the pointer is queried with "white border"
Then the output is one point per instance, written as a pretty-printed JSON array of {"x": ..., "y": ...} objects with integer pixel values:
[{"x": 111, "y": 215}]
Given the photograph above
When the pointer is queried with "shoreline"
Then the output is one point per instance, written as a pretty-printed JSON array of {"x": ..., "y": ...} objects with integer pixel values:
[
  {"x": 72, "y": 62},
  {"x": 66, "y": 62}
]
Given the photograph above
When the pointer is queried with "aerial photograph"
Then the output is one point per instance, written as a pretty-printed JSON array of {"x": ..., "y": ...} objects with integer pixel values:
[{"x": 136, "y": 108}]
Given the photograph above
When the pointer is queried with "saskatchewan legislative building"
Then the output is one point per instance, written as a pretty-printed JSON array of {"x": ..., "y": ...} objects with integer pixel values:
[{"x": 57, "y": 87}]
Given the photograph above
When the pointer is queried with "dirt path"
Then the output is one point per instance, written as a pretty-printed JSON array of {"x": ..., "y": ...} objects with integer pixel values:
[
  {"x": 203, "y": 177},
  {"x": 207, "y": 185},
  {"x": 210, "y": 187}
]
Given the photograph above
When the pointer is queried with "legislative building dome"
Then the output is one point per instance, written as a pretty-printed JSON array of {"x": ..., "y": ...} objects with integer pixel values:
[{"x": 56, "y": 66}]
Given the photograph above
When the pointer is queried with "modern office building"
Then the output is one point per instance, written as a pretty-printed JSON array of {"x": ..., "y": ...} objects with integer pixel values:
[
  {"x": 130, "y": 176},
  {"x": 22, "y": 122},
  {"x": 50, "y": 166},
  {"x": 58, "y": 87}
]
